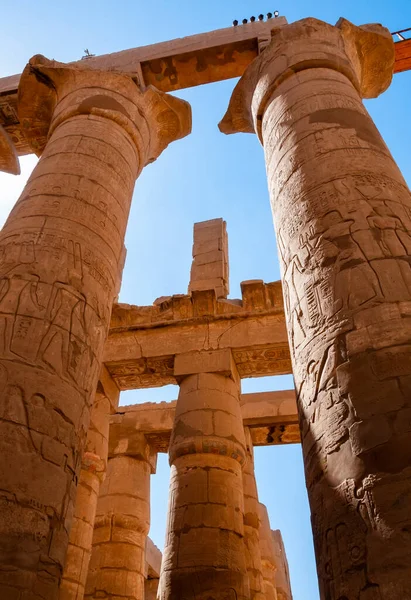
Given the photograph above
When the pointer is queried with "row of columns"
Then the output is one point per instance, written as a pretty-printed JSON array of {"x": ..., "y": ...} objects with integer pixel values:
[
  {"x": 342, "y": 214},
  {"x": 218, "y": 535}
]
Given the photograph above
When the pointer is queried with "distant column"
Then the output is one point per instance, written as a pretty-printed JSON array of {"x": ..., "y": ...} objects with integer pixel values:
[
  {"x": 252, "y": 524},
  {"x": 204, "y": 549},
  {"x": 342, "y": 214},
  {"x": 282, "y": 574},
  {"x": 61, "y": 250},
  {"x": 117, "y": 565},
  {"x": 269, "y": 566},
  {"x": 92, "y": 474}
]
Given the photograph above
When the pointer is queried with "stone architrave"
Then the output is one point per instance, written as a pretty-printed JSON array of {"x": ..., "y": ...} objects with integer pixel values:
[
  {"x": 61, "y": 251},
  {"x": 92, "y": 474},
  {"x": 252, "y": 524},
  {"x": 204, "y": 549},
  {"x": 117, "y": 565},
  {"x": 342, "y": 213}
]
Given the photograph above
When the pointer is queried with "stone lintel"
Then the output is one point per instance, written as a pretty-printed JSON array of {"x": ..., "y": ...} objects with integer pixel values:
[
  {"x": 172, "y": 65},
  {"x": 270, "y": 416},
  {"x": 144, "y": 342}
]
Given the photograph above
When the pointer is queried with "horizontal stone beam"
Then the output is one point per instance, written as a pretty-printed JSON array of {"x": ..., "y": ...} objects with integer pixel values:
[
  {"x": 271, "y": 417},
  {"x": 143, "y": 341},
  {"x": 169, "y": 66}
]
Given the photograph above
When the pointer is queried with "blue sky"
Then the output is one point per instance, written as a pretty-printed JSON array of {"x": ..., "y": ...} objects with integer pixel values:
[{"x": 204, "y": 176}]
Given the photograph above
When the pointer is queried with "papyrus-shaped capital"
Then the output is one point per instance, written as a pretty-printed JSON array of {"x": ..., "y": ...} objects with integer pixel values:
[
  {"x": 365, "y": 55},
  {"x": 51, "y": 92}
]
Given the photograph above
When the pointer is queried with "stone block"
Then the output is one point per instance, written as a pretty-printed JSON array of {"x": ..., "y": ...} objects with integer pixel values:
[{"x": 215, "y": 361}]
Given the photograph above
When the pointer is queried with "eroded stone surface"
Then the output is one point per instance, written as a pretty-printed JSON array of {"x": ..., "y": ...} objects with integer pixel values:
[
  {"x": 342, "y": 213},
  {"x": 252, "y": 524},
  {"x": 92, "y": 474},
  {"x": 204, "y": 549},
  {"x": 61, "y": 251},
  {"x": 209, "y": 270},
  {"x": 117, "y": 565}
]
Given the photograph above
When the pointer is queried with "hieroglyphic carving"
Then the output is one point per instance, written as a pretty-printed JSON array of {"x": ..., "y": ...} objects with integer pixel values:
[
  {"x": 61, "y": 252},
  {"x": 342, "y": 215},
  {"x": 262, "y": 360}
]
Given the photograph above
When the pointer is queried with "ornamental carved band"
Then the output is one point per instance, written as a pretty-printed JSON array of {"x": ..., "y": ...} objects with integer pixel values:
[{"x": 342, "y": 214}]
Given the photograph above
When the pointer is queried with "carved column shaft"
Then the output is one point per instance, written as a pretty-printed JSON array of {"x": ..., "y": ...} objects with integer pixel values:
[
  {"x": 269, "y": 567},
  {"x": 117, "y": 566},
  {"x": 342, "y": 213},
  {"x": 93, "y": 471},
  {"x": 60, "y": 253},
  {"x": 252, "y": 524},
  {"x": 204, "y": 549}
]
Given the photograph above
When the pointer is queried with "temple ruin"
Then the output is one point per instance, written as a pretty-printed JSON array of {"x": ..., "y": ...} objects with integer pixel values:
[{"x": 75, "y": 466}]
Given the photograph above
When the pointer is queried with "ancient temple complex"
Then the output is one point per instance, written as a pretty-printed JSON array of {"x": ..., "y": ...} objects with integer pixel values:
[{"x": 75, "y": 466}]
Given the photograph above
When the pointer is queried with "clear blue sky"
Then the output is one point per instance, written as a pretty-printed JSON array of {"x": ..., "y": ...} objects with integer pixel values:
[{"x": 204, "y": 176}]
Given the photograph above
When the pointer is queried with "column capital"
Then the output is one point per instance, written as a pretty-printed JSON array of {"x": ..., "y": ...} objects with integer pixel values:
[
  {"x": 9, "y": 161},
  {"x": 364, "y": 54},
  {"x": 51, "y": 92}
]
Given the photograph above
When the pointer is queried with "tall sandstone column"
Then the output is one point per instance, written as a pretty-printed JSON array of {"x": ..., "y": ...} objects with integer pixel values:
[
  {"x": 60, "y": 255},
  {"x": 92, "y": 474},
  {"x": 204, "y": 550},
  {"x": 342, "y": 214},
  {"x": 117, "y": 565},
  {"x": 252, "y": 524}
]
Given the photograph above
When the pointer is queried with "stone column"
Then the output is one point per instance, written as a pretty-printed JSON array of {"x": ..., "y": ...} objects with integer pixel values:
[
  {"x": 342, "y": 214},
  {"x": 269, "y": 567},
  {"x": 60, "y": 252},
  {"x": 252, "y": 524},
  {"x": 117, "y": 565},
  {"x": 282, "y": 574},
  {"x": 93, "y": 471},
  {"x": 204, "y": 548}
]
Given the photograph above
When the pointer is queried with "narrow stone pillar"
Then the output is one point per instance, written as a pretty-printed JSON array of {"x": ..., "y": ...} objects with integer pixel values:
[
  {"x": 342, "y": 214},
  {"x": 151, "y": 589},
  {"x": 269, "y": 567},
  {"x": 117, "y": 565},
  {"x": 60, "y": 252},
  {"x": 282, "y": 574},
  {"x": 93, "y": 471},
  {"x": 252, "y": 524},
  {"x": 204, "y": 548}
]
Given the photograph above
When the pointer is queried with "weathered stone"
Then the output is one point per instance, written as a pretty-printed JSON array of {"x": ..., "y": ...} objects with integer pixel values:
[
  {"x": 204, "y": 550},
  {"x": 62, "y": 249},
  {"x": 118, "y": 563},
  {"x": 342, "y": 213},
  {"x": 93, "y": 470}
]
